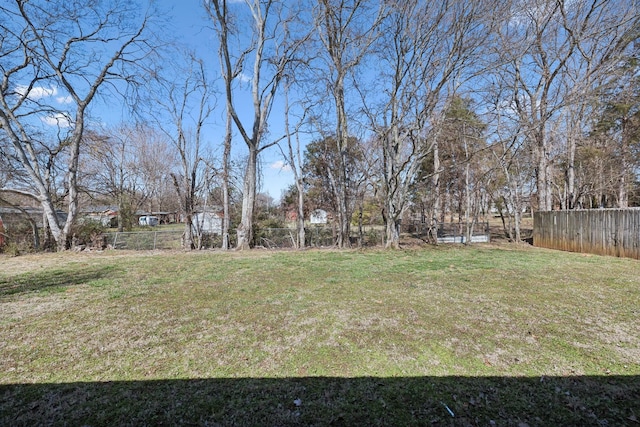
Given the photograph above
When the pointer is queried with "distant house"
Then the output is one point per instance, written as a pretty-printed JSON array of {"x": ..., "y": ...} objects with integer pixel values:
[
  {"x": 105, "y": 215},
  {"x": 12, "y": 217},
  {"x": 207, "y": 223},
  {"x": 318, "y": 216}
]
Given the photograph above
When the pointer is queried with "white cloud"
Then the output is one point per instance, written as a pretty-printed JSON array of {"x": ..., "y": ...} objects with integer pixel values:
[
  {"x": 280, "y": 166},
  {"x": 37, "y": 92},
  {"x": 244, "y": 78},
  {"x": 64, "y": 99},
  {"x": 58, "y": 119}
]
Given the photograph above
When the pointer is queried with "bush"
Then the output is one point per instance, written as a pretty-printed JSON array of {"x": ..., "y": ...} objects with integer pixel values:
[
  {"x": 89, "y": 233},
  {"x": 261, "y": 229},
  {"x": 19, "y": 239},
  {"x": 10, "y": 248}
]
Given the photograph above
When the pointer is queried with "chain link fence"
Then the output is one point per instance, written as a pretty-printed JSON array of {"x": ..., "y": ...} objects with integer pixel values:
[
  {"x": 447, "y": 232},
  {"x": 145, "y": 240},
  {"x": 270, "y": 238},
  {"x": 315, "y": 237},
  {"x": 285, "y": 238}
]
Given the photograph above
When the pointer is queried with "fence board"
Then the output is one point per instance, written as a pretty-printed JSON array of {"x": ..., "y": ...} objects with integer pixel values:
[{"x": 614, "y": 232}]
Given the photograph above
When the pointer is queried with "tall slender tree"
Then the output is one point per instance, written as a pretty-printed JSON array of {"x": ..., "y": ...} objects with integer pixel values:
[{"x": 188, "y": 104}]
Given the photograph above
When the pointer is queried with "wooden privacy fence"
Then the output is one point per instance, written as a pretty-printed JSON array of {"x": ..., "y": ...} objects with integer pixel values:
[{"x": 613, "y": 232}]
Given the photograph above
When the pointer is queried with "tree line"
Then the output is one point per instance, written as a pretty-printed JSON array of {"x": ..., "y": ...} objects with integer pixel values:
[{"x": 403, "y": 109}]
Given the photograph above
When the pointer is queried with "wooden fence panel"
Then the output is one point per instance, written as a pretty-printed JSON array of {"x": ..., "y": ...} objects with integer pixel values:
[{"x": 613, "y": 232}]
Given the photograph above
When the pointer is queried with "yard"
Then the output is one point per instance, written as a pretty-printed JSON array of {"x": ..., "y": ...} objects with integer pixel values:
[{"x": 485, "y": 335}]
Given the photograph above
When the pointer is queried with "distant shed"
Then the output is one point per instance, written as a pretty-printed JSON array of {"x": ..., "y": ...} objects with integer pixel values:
[
  {"x": 318, "y": 216},
  {"x": 207, "y": 223}
]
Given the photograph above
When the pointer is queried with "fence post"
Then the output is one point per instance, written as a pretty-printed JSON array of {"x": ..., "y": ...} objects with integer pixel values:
[
  {"x": 155, "y": 238},
  {"x": 115, "y": 241}
]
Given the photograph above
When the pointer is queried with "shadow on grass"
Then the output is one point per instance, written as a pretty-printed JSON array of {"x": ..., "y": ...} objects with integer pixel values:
[
  {"x": 367, "y": 401},
  {"x": 51, "y": 280}
]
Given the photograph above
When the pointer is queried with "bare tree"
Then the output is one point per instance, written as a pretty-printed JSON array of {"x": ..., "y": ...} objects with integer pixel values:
[
  {"x": 512, "y": 170},
  {"x": 109, "y": 162},
  {"x": 156, "y": 162},
  {"x": 346, "y": 31},
  {"x": 188, "y": 105},
  {"x": 544, "y": 44},
  {"x": 293, "y": 156},
  {"x": 267, "y": 53},
  {"x": 54, "y": 59},
  {"x": 426, "y": 51}
]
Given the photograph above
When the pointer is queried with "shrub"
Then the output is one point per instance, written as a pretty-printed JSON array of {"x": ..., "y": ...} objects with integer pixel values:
[
  {"x": 10, "y": 248},
  {"x": 89, "y": 233},
  {"x": 19, "y": 238}
]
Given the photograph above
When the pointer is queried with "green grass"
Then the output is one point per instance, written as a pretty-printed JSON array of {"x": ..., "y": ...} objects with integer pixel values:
[{"x": 504, "y": 334}]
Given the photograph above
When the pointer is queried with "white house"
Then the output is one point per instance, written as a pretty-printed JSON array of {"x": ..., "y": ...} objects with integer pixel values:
[
  {"x": 318, "y": 216},
  {"x": 207, "y": 223}
]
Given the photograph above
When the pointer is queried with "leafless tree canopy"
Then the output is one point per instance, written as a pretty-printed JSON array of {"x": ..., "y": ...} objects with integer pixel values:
[
  {"x": 55, "y": 58},
  {"x": 450, "y": 110}
]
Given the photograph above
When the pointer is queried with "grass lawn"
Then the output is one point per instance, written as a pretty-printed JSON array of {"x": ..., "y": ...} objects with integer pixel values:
[{"x": 486, "y": 335}]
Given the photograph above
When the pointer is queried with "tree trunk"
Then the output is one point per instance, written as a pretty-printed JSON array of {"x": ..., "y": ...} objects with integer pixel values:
[
  {"x": 623, "y": 197},
  {"x": 187, "y": 242},
  {"x": 300, "y": 216},
  {"x": 506, "y": 223},
  {"x": 342, "y": 137},
  {"x": 391, "y": 181},
  {"x": 360, "y": 230},
  {"x": 72, "y": 180},
  {"x": 245, "y": 229},
  {"x": 517, "y": 220},
  {"x": 226, "y": 220},
  {"x": 59, "y": 237},
  {"x": 542, "y": 170},
  {"x": 467, "y": 194},
  {"x": 435, "y": 183},
  {"x": 120, "y": 203},
  {"x": 571, "y": 174},
  {"x": 392, "y": 229},
  {"x": 344, "y": 223}
]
